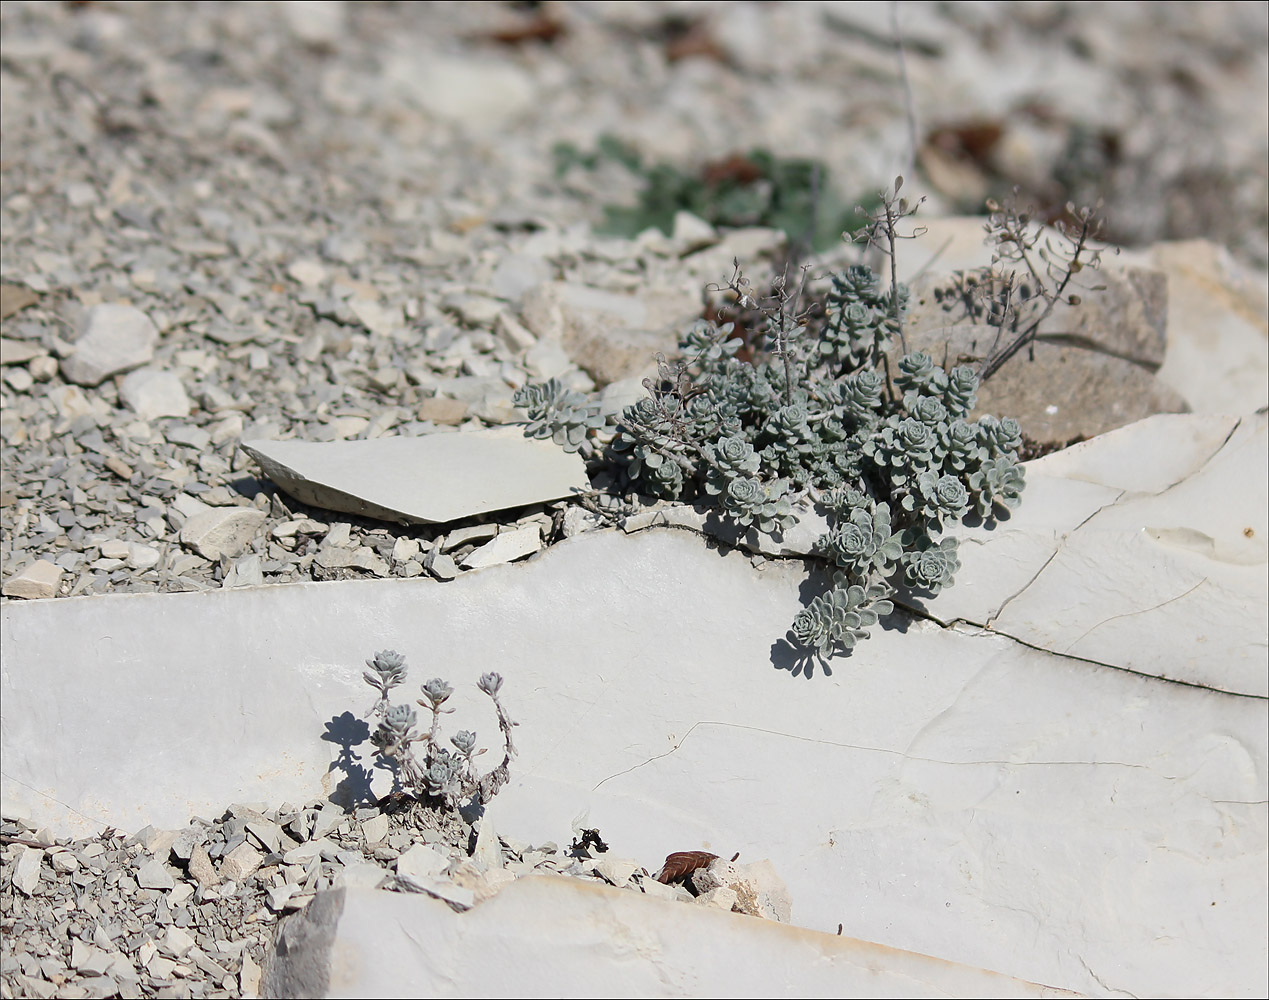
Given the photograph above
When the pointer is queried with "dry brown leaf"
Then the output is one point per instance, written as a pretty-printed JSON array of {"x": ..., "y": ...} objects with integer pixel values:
[{"x": 681, "y": 864}]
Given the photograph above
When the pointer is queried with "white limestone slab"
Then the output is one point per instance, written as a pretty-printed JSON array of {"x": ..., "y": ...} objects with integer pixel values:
[
  {"x": 944, "y": 791},
  {"x": 1144, "y": 548},
  {"x": 550, "y": 937},
  {"x": 423, "y": 480},
  {"x": 1171, "y": 583}
]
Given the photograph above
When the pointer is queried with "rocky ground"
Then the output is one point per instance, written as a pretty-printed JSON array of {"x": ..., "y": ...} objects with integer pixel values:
[{"x": 334, "y": 221}]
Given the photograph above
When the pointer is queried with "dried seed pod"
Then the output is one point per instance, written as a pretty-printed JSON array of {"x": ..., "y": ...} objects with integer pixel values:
[{"x": 681, "y": 864}]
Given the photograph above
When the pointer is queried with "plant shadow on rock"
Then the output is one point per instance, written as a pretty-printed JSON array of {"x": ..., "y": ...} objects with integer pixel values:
[{"x": 354, "y": 788}]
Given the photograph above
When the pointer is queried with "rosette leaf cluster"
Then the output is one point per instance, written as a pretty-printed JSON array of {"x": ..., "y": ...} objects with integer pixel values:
[{"x": 566, "y": 417}]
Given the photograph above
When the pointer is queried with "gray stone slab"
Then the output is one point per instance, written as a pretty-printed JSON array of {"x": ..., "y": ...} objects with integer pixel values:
[{"x": 423, "y": 480}]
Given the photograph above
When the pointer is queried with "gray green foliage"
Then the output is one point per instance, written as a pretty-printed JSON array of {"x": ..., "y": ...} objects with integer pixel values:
[
  {"x": 819, "y": 416},
  {"x": 446, "y": 777}
]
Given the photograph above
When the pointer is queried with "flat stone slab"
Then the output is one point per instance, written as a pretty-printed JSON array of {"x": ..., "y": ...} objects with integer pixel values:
[
  {"x": 560, "y": 937},
  {"x": 1145, "y": 548},
  {"x": 949, "y": 791},
  {"x": 423, "y": 480}
]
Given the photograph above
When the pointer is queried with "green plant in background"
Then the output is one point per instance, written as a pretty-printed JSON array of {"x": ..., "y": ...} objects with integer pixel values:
[
  {"x": 753, "y": 189},
  {"x": 444, "y": 777},
  {"x": 818, "y": 415}
]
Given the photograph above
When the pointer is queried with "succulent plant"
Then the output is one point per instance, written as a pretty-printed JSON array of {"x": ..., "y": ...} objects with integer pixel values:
[
  {"x": 442, "y": 776},
  {"x": 896, "y": 463},
  {"x": 564, "y": 416},
  {"x": 436, "y": 691},
  {"x": 998, "y": 482},
  {"x": 842, "y": 616},
  {"x": 932, "y": 567}
]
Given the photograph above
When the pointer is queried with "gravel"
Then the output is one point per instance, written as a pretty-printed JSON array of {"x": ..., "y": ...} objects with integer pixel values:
[
  {"x": 193, "y": 912},
  {"x": 322, "y": 221}
]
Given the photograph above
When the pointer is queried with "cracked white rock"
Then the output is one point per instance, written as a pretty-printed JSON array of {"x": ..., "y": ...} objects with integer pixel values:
[
  {"x": 114, "y": 339},
  {"x": 1144, "y": 548},
  {"x": 1079, "y": 820}
]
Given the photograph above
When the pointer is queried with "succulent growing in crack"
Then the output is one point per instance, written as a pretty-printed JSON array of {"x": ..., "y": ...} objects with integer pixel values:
[{"x": 821, "y": 412}]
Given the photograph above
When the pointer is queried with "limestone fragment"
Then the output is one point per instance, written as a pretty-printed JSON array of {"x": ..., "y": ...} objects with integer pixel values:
[
  {"x": 221, "y": 530},
  {"x": 151, "y": 394},
  {"x": 506, "y": 547},
  {"x": 26, "y": 873},
  {"x": 430, "y": 479},
  {"x": 115, "y": 339},
  {"x": 154, "y": 875},
  {"x": 41, "y": 579},
  {"x": 759, "y": 891}
]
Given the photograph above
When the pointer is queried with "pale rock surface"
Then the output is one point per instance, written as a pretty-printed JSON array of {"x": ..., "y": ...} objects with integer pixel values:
[
  {"x": 470, "y": 534},
  {"x": 609, "y": 335},
  {"x": 577, "y": 520},
  {"x": 1091, "y": 368},
  {"x": 26, "y": 873},
  {"x": 430, "y": 479},
  {"x": 516, "y": 273},
  {"x": 221, "y": 531},
  {"x": 19, "y": 352},
  {"x": 39, "y": 580},
  {"x": 1160, "y": 522},
  {"x": 1013, "y": 808},
  {"x": 443, "y": 410},
  {"x": 559, "y": 937},
  {"x": 319, "y": 23},
  {"x": 422, "y": 861},
  {"x": 758, "y": 890},
  {"x": 151, "y": 394},
  {"x": 506, "y": 547},
  {"x": 246, "y": 572},
  {"x": 473, "y": 92},
  {"x": 114, "y": 338},
  {"x": 1218, "y": 331}
]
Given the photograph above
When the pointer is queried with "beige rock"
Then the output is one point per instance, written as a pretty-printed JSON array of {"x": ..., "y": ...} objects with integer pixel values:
[
  {"x": 240, "y": 862},
  {"x": 201, "y": 867},
  {"x": 41, "y": 579},
  {"x": 758, "y": 890},
  {"x": 1090, "y": 370},
  {"x": 609, "y": 335},
  {"x": 19, "y": 352},
  {"x": 429, "y": 479},
  {"x": 1218, "y": 334},
  {"x": 221, "y": 531}
]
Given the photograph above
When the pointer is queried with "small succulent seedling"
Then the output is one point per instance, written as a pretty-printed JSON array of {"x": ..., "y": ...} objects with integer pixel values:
[{"x": 444, "y": 776}]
